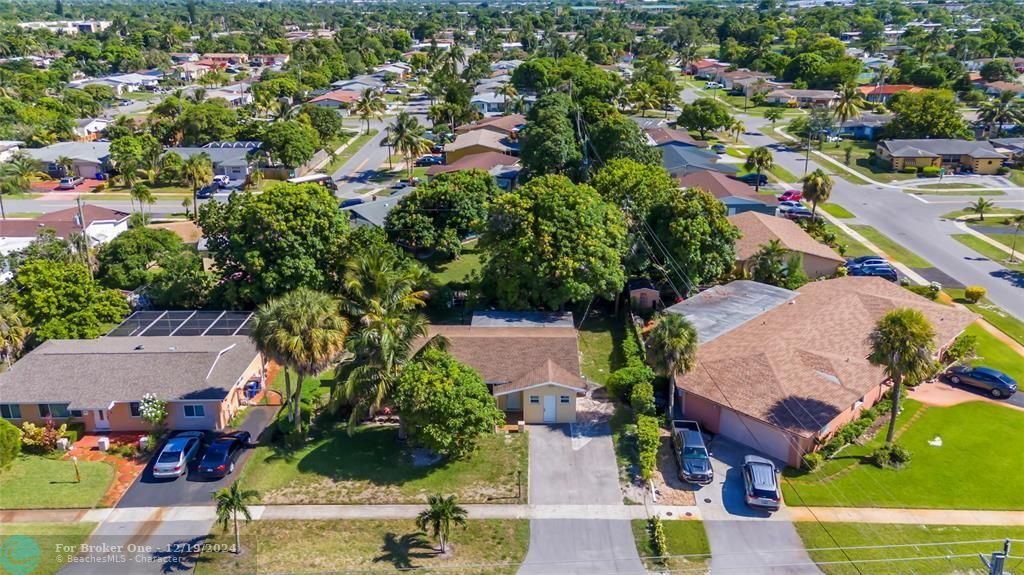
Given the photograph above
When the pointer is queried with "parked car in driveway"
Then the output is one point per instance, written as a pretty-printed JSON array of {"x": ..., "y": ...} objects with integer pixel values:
[
  {"x": 754, "y": 179},
  {"x": 222, "y": 181},
  {"x": 791, "y": 196},
  {"x": 713, "y": 86},
  {"x": 70, "y": 183},
  {"x": 177, "y": 453},
  {"x": 761, "y": 483},
  {"x": 995, "y": 382},
  {"x": 691, "y": 453},
  {"x": 206, "y": 192},
  {"x": 220, "y": 457},
  {"x": 429, "y": 161},
  {"x": 718, "y": 148},
  {"x": 885, "y": 271},
  {"x": 865, "y": 261}
]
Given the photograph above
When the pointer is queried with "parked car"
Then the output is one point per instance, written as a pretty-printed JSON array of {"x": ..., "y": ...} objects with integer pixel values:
[
  {"x": 865, "y": 260},
  {"x": 761, "y": 483},
  {"x": 70, "y": 183},
  {"x": 754, "y": 179},
  {"x": 997, "y": 383},
  {"x": 883, "y": 271},
  {"x": 713, "y": 86},
  {"x": 220, "y": 457},
  {"x": 718, "y": 148},
  {"x": 350, "y": 202},
  {"x": 124, "y": 103},
  {"x": 799, "y": 212},
  {"x": 791, "y": 196},
  {"x": 177, "y": 453},
  {"x": 222, "y": 181},
  {"x": 429, "y": 161},
  {"x": 691, "y": 453},
  {"x": 786, "y": 205},
  {"x": 206, "y": 192},
  {"x": 393, "y": 91},
  {"x": 400, "y": 185}
]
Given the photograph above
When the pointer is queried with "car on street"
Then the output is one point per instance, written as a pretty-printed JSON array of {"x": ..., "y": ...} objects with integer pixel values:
[
  {"x": 348, "y": 202},
  {"x": 691, "y": 453},
  {"x": 70, "y": 183},
  {"x": 791, "y": 196},
  {"x": 177, "y": 453},
  {"x": 400, "y": 185},
  {"x": 718, "y": 148},
  {"x": 429, "y": 161},
  {"x": 393, "y": 91},
  {"x": 995, "y": 382},
  {"x": 881, "y": 271},
  {"x": 124, "y": 103},
  {"x": 761, "y": 483},
  {"x": 220, "y": 457},
  {"x": 754, "y": 179},
  {"x": 206, "y": 192}
]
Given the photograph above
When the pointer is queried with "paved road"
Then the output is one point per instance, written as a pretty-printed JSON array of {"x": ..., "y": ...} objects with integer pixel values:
[
  {"x": 744, "y": 540},
  {"x": 148, "y": 491},
  {"x": 576, "y": 470}
]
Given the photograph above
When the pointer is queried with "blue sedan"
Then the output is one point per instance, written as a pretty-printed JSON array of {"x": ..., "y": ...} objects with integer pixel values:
[{"x": 996, "y": 383}]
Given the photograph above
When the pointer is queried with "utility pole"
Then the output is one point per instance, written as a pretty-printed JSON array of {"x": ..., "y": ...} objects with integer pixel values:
[{"x": 995, "y": 565}]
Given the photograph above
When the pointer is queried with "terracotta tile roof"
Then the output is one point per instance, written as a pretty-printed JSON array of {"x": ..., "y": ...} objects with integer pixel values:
[
  {"x": 800, "y": 364},
  {"x": 888, "y": 89},
  {"x": 722, "y": 186},
  {"x": 758, "y": 229},
  {"x": 63, "y": 222},
  {"x": 343, "y": 96},
  {"x": 483, "y": 161},
  {"x": 548, "y": 372},
  {"x": 505, "y": 124},
  {"x": 663, "y": 135}
]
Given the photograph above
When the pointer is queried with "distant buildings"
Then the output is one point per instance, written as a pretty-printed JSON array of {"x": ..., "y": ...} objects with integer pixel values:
[
  {"x": 88, "y": 159},
  {"x": 100, "y": 225},
  {"x": 67, "y": 26}
]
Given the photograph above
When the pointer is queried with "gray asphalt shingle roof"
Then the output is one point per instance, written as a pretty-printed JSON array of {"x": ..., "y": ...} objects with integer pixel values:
[
  {"x": 681, "y": 159},
  {"x": 940, "y": 147}
]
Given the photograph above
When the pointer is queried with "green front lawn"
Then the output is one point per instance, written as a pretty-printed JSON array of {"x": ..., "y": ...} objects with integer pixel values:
[
  {"x": 989, "y": 251},
  {"x": 600, "y": 346},
  {"x": 861, "y": 543},
  {"x": 853, "y": 248},
  {"x": 939, "y": 477},
  {"x": 949, "y": 186},
  {"x": 349, "y": 151},
  {"x": 1017, "y": 177},
  {"x": 891, "y": 248},
  {"x": 683, "y": 537},
  {"x": 47, "y": 536},
  {"x": 459, "y": 270},
  {"x": 992, "y": 313},
  {"x": 372, "y": 466},
  {"x": 34, "y": 482},
  {"x": 483, "y": 547},
  {"x": 997, "y": 210},
  {"x": 860, "y": 162},
  {"x": 838, "y": 211},
  {"x": 996, "y": 354}
]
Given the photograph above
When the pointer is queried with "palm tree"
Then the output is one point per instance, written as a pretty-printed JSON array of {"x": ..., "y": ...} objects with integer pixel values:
[
  {"x": 65, "y": 164},
  {"x": 817, "y": 188},
  {"x": 508, "y": 92},
  {"x": 849, "y": 104},
  {"x": 14, "y": 332},
  {"x": 455, "y": 57},
  {"x": 197, "y": 171},
  {"x": 903, "y": 341},
  {"x": 1017, "y": 222},
  {"x": 1007, "y": 108},
  {"x": 369, "y": 105},
  {"x": 187, "y": 204},
  {"x": 737, "y": 128},
  {"x": 766, "y": 265},
  {"x": 643, "y": 97},
  {"x": 16, "y": 177},
  {"x": 408, "y": 137},
  {"x": 142, "y": 194},
  {"x": 439, "y": 516},
  {"x": 980, "y": 206},
  {"x": 302, "y": 331},
  {"x": 230, "y": 502},
  {"x": 672, "y": 347},
  {"x": 760, "y": 159},
  {"x": 197, "y": 96}
]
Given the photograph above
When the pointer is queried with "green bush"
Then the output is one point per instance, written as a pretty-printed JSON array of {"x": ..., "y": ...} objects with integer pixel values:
[
  {"x": 1003, "y": 170},
  {"x": 924, "y": 291},
  {"x": 964, "y": 348},
  {"x": 930, "y": 171},
  {"x": 642, "y": 399},
  {"x": 813, "y": 461},
  {"x": 41, "y": 440},
  {"x": 891, "y": 455},
  {"x": 974, "y": 294},
  {"x": 10, "y": 442},
  {"x": 647, "y": 440},
  {"x": 632, "y": 347},
  {"x": 75, "y": 431},
  {"x": 659, "y": 543},
  {"x": 909, "y": 170},
  {"x": 621, "y": 381}
]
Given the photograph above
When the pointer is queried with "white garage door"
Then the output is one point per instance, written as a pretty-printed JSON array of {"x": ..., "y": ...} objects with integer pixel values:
[{"x": 770, "y": 440}]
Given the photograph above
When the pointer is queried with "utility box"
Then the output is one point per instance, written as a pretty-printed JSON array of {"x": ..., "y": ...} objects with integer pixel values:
[{"x": 103, "y": 443}]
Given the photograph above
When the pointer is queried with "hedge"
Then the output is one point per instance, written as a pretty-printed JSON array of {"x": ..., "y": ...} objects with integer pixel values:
[
  {"x": 622, "y": 381},
  {"x": 930, "y": 171},
  {"x": 642, "y": 398},
  {"x": 10, "y": 442},
  {"x": 648, "y": 440},
  {"x": 632, "y": 347}
]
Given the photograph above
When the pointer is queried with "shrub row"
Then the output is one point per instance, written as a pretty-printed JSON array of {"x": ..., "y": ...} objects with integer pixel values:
[
  {"x": 931, "y": 171},
  {"x": 848, "y": 433},
  {"x": 659, "y": 543},
  {"x": 632, "y": 347},
  {"x": 648, "y": 440},
  {"x": 642, "y": 398}
]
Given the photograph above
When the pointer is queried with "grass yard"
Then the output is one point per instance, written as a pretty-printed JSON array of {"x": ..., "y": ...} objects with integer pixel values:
[
  {"x": 161, "y": 192},
  {"x": 34, "y": 482},
  {"x": 47, "y": 536},
  {"x": 837, "y": 211},
  {"x": 992, "y": 313},
  {"x": 1017, "y": 177},
  {"x": 996, "y": 354},
  {"x": 460, "y": 270},
  {"x": 600, "y": 344},
  {"x": 371, "y": 466},
  {"x": 683, "y": 537},
  {"x": 346, "y": 154},
  {"x": 989, "y": 251},
  {"x": 24, "y": 215},
  {"x": 980, "y": 191},
  {"x": 860, "y": 161},
  {"x": 853, "y": 535},
  {"x": 949, "y": 186},
  {"x": 966, "y": 212},
  {"x": 369, "y": 546},
  {"x": 967, "y": 446},
  {"x": 891, "y": 248},
  {"x": 853, "y": 247}
]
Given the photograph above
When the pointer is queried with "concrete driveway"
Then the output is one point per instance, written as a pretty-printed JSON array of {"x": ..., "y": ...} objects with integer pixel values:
[
  {"x": 568, "y": 468},
  {"x": 744, "y": 540},
  {"x": 190, "y": 489}
]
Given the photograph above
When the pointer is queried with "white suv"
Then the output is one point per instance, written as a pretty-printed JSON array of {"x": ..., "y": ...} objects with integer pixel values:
[{"x": 713, "y": 86}]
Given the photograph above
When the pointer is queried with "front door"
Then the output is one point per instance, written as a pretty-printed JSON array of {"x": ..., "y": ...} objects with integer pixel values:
[
  {"x": 100, "y": 420},
  {"x": 549, "y": 409},
  {"x": 514, "y": 402}
]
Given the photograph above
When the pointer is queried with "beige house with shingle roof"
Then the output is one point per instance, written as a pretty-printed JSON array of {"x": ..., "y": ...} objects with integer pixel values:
[{"x": 759, "y": 229}]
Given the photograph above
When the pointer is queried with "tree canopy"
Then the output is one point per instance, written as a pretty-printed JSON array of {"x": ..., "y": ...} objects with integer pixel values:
[
  {"x": 60, "y": 300},
  {"x": 925, "y": 114},
  {"x": 695, "y": 230}
]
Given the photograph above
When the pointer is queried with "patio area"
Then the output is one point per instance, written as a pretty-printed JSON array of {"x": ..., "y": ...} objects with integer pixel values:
[{"x": 126, "y": 469}]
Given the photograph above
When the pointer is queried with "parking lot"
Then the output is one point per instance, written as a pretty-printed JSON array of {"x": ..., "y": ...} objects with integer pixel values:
[{"x": 191, "y": 489}]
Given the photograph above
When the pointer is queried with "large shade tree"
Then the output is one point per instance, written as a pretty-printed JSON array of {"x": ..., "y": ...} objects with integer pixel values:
[{"x": 903, "y": 343}]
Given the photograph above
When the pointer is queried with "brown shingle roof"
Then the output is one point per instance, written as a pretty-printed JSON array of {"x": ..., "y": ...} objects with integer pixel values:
[
  {"x": 759, "y": 229},
  {"x": 722, "y": 186},
  {"x": 548, "y": 372},
  {"x": 486, "y": 138},
  {"x": 798, "y": 365},
  {"x": 482, "y": 161},
  {"x": 63, "y": 222},
  {"x": 664, "y": 135},
  {"x": 343, "y": 96},
  {"x": 504, "y": 124}
]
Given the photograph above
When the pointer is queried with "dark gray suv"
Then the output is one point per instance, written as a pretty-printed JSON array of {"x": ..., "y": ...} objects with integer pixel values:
[{"x": 691, "y": 453}]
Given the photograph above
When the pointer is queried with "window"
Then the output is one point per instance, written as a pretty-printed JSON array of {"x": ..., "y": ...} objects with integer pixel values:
[
  {"x": 195, "y": 411},
  {"x": 534, "y": 399},
  {"x": 565, "y": 399},
  {"x": 133, "y": 407},
  {"x": 76, "y": 413},
  {"x": 10, "y": 411},
  {"x": 55, "y": 410}
]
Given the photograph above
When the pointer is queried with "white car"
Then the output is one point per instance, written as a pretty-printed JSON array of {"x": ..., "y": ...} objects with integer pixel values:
[
  {"x": 222, "y": 181},
  {"x": 177, "y": 453},
  {"x": 713, "y": 86}
]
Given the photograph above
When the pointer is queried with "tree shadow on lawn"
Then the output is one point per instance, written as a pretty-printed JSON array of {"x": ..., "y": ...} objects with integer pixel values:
[{"x": 401, "y": 550}]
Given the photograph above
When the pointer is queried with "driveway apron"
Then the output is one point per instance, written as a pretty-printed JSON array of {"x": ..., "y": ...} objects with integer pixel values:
[{"x": 575, "y": 465}]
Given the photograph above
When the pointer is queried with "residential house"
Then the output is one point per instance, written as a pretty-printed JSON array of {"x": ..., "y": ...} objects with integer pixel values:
[
  {"x": 681, "y": 159},
  {"x": 760, "y": 383},
  {"x": 997, "y": 88},
  {"x": 663, "y": 135},
  {"x": 401, "y": 70},
  {"x": 89, "y": 129},
  {"x": 375, "y": 212},
  {"x": 100, "y": 225},
  {"x": 89, "y": 159},
  {"x": 532, "y": 366},
  {"x": 760, "y": 229},
  {"x": 269, "y": 59},
  {"x": 503, "y": 167},
  {"x": 182, "y": 57},
  {"x": 978, "y": 157},
  {"x": 191, "y": 71},
  {"x": 224, "y": 59},
  {"x": 643, "y": 294},
  {"x": 734, "y": 194},
  {"x": 9, "y": 148},
  {"x": 359, "y": 83},
  {"x": 505, "y": 66},
  {"x": 336, "y": 99},
  {"x": 488, "y": 103},
  {"x": 866, "y": 126},
  {"x": 101, "y": 382},
  {"x": 239, "y": 94},
  {"x": 479, "y": 141},
  {"x": 232, "y": 161},
  {"x": 709, "y": 69},
  {"x": 67, "y": 27},
  {"x": 508, "y": 126},
  {"x": 1010, "y": 147},
  {"x": 802, "y": 98},
  {"x": 882, "y": 94}
]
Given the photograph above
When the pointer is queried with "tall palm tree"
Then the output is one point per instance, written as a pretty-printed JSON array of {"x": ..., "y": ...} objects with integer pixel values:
[
  {"x": 16, "y": 177},
  {"x": 760, "y": 160},
  {"x": 1017, "y": 222},
  {"x": 1007, "y": 108},
  {"x": 408, "y": 137},
  {"x": 232, "y": 501},
  {"x": 142, "y": 194},
  {"x": 737, "y": 128},
  {"x": 187, "y": 204},
  {"x": 508, "y": 92},
  {"x": 672, "y": 347},
  {"x": 302, "y": 331},
  {"x": 439, "y": 516},
  {"x": 903, "y": 341},
  {"x": 980, "y": 206},
  {"x": 642, "y": 97},
  {"x": 455, "y": 57},
  {"x": 14, "y": 332},
  {"x": 65, "y": 164},
  {"x": 817, "y": 188},
  {"x": 370, "y": 104},
  {"x": 197, "y": 171},
  {"x": 849, "y": 104}
]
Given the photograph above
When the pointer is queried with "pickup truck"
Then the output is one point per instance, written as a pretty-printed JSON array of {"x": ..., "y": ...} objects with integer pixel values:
[
  {"x": 691, "y": 453},
  {"x": 70, "y": 183}
]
